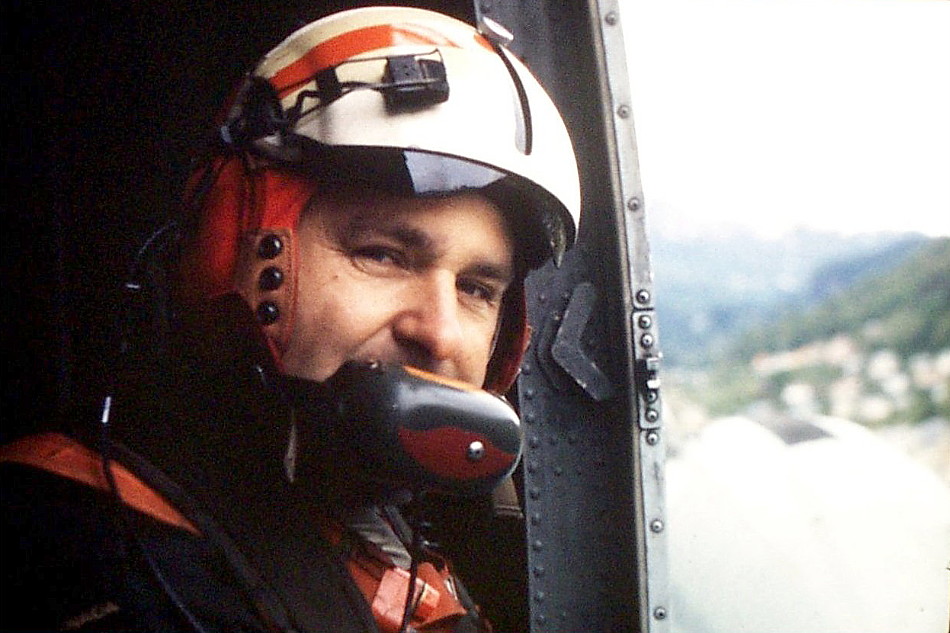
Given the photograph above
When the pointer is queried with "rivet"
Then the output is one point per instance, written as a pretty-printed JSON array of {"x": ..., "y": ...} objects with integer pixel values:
[
  {"x": 653, "y": 438},
  {"x": 532, "y": 466},
  {"x": 646, "y": 340},
  {"x": 652, "y": 395},
  {"x": 652, "y": 415},
  {"x": 538, "y": 571},
  {"x": 536, "y": 519},
  {"x": 540, "y": 618},
  {"x": 534, "y": 442},
  {"x": 530, "y": 417},
  {"x": 558, "y": 471},
  {"x": 539, "y": 596},
  {"x": 623, "y": 111},
  {"x": 645, "y": 321},
  {"x": 633, "y": 204},
  {"x": 475, "y": 451},
  {"x": 270, "y": 246},
  {"x": 656, "y": 526},
  {"x": 611, "y": 18},
  {"x": 643, "y": 296},
  {"x": 659, "y": 613},
  {"x": 537, "y": 546},
  {"x": 268, "y": 312},
  {"x": 534, "y": 493},
  {"x": 271, "y": 278},
  {"x": 528, "y": 393}
]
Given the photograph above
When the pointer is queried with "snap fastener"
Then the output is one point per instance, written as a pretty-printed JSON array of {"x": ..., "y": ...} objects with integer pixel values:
[
  {"x": 270, "y": 246},
  {"x": 268, "y": 312},
  {"x": 475, "y": 451},
  {"x": 271, "y": 278}
]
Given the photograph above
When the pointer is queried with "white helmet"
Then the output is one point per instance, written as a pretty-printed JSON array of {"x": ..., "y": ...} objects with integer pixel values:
[
  {"x": 416, "y": 98},
  {"x": 405, "y": 99}
]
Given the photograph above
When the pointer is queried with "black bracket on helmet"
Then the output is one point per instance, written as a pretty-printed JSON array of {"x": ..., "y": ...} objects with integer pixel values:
[
  {"x": 412, "y": 81},
  {"x": 408, "y": 82}
]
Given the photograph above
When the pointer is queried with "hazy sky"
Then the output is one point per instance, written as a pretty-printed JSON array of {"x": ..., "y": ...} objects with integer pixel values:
[{"x": 832, "y": 114}]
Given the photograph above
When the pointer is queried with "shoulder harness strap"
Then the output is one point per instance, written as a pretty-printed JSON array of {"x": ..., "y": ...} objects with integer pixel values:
[
  {"x": 385, "y": 586},
  {"x": 61, "y": 455}
]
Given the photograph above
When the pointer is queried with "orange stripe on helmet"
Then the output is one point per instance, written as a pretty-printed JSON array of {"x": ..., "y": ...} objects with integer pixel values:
[{"x": 337, "y": 50}]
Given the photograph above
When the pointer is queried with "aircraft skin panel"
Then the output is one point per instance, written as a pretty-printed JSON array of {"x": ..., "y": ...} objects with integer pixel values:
[{"x": 589, "y": 392}]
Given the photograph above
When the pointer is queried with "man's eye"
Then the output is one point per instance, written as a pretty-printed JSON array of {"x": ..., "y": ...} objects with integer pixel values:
[
  {"x": 481, "y": 291},
  {"x": 378, "y": 255}
]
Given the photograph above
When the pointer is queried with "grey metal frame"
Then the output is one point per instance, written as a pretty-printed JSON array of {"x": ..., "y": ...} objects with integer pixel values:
[{"x": 589, "y": 392}]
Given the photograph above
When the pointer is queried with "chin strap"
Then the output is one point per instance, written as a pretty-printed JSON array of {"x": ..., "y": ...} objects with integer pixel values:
[{"x": 505, "y": 502}]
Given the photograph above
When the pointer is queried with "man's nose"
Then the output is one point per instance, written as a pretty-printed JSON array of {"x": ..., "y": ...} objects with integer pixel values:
[{"x": 428, "y": 323}]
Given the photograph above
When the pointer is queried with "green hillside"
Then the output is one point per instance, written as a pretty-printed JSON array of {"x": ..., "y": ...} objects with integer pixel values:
[
  {"x": 908, "y": 305},
  {"x": 711, "y": 289},
  {"x": 877, "y": 351}
]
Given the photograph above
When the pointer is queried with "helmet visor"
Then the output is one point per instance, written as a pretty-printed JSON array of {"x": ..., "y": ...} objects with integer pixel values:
[{"x": 531, "y": 212}]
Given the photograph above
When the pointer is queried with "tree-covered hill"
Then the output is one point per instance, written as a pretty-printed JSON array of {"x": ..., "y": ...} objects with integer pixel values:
[
  {"x": 713, "y": 288},
  {"x": 877, "y": 351},
  {"x": 907, "y": 309}
]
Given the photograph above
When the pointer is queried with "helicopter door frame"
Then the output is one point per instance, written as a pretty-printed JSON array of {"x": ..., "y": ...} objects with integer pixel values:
[{"x": 589, "y": 391}]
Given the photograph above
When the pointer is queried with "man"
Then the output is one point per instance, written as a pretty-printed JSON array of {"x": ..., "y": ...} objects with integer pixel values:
[{"x": 355, "y": 245}]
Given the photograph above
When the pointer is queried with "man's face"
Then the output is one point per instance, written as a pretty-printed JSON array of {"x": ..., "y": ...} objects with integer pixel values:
[{"x": 413, "y": 281}]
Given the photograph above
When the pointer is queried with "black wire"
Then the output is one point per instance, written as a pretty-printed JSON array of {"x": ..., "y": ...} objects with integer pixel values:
[
  {"x": 411, "y": 603},
  {"x": 296, "y": 112},
  {"x": 417, "y": 547},
  {"x": 124, "y": 515},
  {"x": 343, "y": 88},
  {"x": 267, "y": 605},
  {"x": 374, "y": 58},
  {"x": 131, "y": 287}
]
